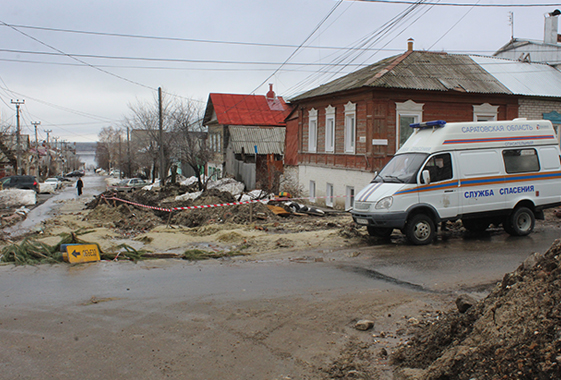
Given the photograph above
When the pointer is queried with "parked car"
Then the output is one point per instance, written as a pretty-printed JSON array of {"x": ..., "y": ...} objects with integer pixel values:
[
  {"x": 55, "y": 181},
  {"x": 75, "y": 173},
  {"x": 26, "y": 182},
  {"x": 63, "y": 179},
  {"x": 129, "y": 185}
]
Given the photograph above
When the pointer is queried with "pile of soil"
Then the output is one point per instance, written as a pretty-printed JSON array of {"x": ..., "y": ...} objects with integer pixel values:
[
  {"x": 130, "y": 218},
  {"x": 514, "y": 333}
]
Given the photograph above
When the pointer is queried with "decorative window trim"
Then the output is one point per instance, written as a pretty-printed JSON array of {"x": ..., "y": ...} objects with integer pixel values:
[
  {"x": 312, "y": 130},
  {"x": 406, "y": 109},
  {"x": 312, "y": 191},
  {"x": 329, "y": 194},
  {"x": 350, "y": 127},
  {"x": 330, "y": 129},
  {"x": 485, "y": 112},
  {"x": 350, "y": 197}
]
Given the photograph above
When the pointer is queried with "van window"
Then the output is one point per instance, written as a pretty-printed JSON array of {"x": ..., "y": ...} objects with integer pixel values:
[
  {"x": 401, "y": 168},
  {"x": 521, "y": 160},
  {"x": 439, "y": 167}
]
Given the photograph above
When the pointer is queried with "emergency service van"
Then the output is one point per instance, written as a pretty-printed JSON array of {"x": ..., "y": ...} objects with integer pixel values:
[{"x": 496, "y": 172}]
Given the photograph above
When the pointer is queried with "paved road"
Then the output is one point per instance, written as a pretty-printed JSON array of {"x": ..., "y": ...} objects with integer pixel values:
[{"x": 275, "y": 319}]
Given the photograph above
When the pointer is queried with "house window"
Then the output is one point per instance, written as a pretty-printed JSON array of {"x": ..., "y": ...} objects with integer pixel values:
[
  {"x": 312, "y": 191},
  {"x": 350, "y": 127},
  {"x": 407, "y": 113},
  {"x": 330, "y": 129},
  {"x": 329, "y": 195},
  {"x": 312, "y": 130},
  {"x": 485, "y": 112},
  {"x": 350, "y": 197}
]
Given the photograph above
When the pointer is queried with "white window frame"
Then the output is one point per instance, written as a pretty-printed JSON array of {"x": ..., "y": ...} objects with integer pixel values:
[
  {"x": 485, "y": 112},
  {"x": 329, "y": 195},
  {"x": 350, "y": 197},
  {"x": 312, "y": 130},
  {"x": 350, "y": 127},
  {"x": 330, "y": 129},
  {"x": 406, "y": 109},
  {"x": 312, "y": 191}
]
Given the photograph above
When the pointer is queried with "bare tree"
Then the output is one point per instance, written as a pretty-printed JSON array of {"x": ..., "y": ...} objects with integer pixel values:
[
  {"x": 107, "y": 150},
  {"x": 145, "y": 134},
  {"x": 7, "y": 146},
  {"x": 190, "y": 145},
  {"x": 177, "y": 119}
]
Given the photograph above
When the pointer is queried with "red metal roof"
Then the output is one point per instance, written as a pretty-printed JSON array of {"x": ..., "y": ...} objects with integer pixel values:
[{"x": 233, "y": 109}]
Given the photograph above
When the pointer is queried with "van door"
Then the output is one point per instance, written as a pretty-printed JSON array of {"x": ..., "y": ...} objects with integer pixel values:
[
  {"x": 442, "y": 193},
  {"x": 482, "y": 178}
]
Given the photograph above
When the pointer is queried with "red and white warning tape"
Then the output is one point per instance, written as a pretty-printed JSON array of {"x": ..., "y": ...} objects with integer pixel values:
[{"x": 214, "y": 205}]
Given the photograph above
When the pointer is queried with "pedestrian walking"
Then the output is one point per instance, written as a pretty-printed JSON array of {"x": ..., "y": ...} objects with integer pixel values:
[{"x": 79, "y": 186}]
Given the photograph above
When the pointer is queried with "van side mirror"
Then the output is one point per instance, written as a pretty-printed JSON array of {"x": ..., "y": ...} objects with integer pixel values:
[{"x": 426, "y": 177}]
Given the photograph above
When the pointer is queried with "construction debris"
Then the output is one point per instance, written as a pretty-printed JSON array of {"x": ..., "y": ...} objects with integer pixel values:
[{"x": 514, "y": 333}]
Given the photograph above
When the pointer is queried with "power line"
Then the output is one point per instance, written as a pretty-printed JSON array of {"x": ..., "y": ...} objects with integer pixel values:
[
  {"x": 74, "y": 58},
  {"x": 464, "y": 4},
  {"x": 124, "y": 58},
  {"x": 302, "y": 44}
]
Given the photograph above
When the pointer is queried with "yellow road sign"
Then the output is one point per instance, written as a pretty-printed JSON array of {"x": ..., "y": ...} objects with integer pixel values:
[{"x": 81, "y": 253}]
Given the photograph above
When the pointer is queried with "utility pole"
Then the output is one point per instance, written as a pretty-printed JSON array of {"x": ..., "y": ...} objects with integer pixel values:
[
  {"x": 18, "y": 102},
  {"x": 120, "y": 159},
  {"x": 35, "y": 124},
  {"x": 47, "y": 131},
  {"x": 161, "y": 123},
  {"x": 129, "y": 174}
]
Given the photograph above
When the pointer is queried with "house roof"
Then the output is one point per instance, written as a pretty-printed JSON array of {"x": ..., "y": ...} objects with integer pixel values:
[
  {"x": 417, "y": 70},
  {"x": 248, "y": 110},
  {"x": 523, "y": 78},
  {"x": 264, "y": 140}
]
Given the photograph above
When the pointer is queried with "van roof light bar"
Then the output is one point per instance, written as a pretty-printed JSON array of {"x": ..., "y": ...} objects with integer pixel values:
[{"x": 429, "y": 124}]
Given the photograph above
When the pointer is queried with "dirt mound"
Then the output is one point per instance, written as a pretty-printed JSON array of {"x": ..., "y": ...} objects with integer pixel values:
[
  {"x": 514, "y": 333},
  {"x": 130, "y": 217}
]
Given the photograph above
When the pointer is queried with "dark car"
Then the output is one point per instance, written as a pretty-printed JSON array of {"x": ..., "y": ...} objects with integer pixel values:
[
  {"x": 27, "y": 182},
  {"x": 75, "y": 173}
]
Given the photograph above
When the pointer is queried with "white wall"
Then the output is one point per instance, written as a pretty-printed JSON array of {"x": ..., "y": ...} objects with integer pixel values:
[{"x": 340, "y": 178}]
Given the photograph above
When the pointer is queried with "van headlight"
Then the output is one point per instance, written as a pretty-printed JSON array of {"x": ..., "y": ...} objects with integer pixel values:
[{"x": 384, "y": 203}]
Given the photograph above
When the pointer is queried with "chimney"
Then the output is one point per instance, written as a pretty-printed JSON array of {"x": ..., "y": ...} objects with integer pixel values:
[
  {"x": 550, "y": 32},
  {"x": 271, "y": 93},
  {"x": 410, "y": 44}
]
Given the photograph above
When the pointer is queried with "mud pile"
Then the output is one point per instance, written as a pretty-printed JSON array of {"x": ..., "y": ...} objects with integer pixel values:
[
  {"x": 113, "y": 213},
  {"x": 514, "y": 333}
]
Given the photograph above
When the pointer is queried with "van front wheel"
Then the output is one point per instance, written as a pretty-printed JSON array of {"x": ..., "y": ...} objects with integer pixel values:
[
  {"x": 420, "y": 229},
  {"x": 521, "y": 222},
  {"x": 380, "y": 232}
]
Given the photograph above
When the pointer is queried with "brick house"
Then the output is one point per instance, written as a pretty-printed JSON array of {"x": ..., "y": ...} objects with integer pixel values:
[{"x": 340, "y": 133}]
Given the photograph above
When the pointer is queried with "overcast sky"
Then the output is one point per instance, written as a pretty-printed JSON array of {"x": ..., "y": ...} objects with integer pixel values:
[{"x": 80, "y": 64}]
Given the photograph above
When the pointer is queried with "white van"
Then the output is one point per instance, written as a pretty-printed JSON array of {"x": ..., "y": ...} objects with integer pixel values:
[{"x": 497, "y": 172}]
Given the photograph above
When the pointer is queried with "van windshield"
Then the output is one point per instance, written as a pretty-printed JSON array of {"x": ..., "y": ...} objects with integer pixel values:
[{"x": 401, "y": 168}]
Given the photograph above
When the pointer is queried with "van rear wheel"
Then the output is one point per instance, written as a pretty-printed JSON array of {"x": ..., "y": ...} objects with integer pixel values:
[
  {"x": 521, "y": 222},
  {"x": 381, "y": 232},
  {"x": 420, "y": 229}
]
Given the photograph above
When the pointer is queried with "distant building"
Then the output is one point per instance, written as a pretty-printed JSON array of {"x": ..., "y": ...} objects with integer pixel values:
[{"x": 547, "y": 51}]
